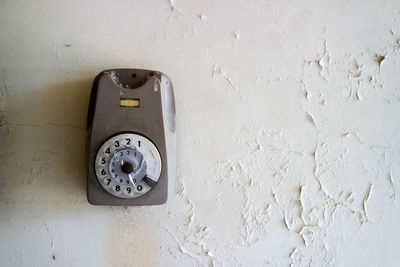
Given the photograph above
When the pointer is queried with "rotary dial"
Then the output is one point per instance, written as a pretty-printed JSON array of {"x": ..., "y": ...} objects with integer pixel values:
[{"x": 128, "y": 165}]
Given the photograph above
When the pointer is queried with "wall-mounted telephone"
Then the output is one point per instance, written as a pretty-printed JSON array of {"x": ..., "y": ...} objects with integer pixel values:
[{"x": 132, "y": 141}]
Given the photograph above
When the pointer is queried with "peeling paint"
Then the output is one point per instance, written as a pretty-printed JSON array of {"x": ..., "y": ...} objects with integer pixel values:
[
  {"x": 366, "y": 198},
  {"x": 220, "y": 71}
]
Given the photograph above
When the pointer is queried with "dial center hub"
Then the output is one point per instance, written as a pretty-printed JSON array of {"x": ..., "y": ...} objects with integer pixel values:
[{"x": 127, "y": 167}]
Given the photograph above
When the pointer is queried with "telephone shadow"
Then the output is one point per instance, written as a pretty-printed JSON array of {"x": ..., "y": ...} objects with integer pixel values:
[
  {"x": 43, "y": 155},
  {"x": 44, "y": 168}
]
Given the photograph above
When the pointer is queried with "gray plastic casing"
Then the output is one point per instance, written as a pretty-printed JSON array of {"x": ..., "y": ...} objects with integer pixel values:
[{"x": 154, "y": 119}]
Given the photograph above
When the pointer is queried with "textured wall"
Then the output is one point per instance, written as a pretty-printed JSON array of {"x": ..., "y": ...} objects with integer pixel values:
[{"x": 288, "y": 124}]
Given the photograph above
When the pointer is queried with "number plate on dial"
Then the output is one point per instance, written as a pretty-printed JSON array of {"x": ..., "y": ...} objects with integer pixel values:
[{"x": 128, "y": 165}]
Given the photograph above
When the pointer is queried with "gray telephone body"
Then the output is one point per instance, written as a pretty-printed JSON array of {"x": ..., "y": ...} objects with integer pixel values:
[{"x": 131, "y": 138}]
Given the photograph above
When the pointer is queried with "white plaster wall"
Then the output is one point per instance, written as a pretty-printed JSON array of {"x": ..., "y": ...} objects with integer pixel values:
[{"x": 288, "y": 124}]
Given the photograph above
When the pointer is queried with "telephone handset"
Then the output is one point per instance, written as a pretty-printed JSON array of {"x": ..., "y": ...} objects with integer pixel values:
[{"x": 132, "y": 140}]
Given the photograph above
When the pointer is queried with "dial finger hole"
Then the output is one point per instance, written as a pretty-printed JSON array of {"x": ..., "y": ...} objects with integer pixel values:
[
  {"x": 102, "y": 172},
  {"x": 142, "y": 188},
  {"x": 128, "y": 190},
  {"x": 128, "y": 142},
  {"x": 103, "y": 161},
  {"x": 107, "y": 182},
  {"x": 107, "y": 151},
  {"x": 117, "y": 189},
  {"x": 117, "y": 144}
]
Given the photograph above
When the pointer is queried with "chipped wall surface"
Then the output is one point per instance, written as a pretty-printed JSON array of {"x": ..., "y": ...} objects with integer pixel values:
[{"x": 288, "y": 129}]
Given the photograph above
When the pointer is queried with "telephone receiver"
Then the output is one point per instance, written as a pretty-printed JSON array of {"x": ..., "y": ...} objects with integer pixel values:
[{"x": 131, "y": 138}]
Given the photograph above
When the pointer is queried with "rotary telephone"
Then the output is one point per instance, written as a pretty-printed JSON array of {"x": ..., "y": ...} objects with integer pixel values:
[{"x": 131, "y": 138}]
